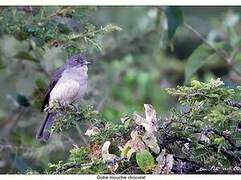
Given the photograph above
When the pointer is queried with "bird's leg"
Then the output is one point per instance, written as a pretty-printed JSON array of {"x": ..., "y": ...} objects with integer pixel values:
[
  {"x": 46, "y": 108},
  {"x": 61, "y": 106},
  {"x": 77, "y": 110}
]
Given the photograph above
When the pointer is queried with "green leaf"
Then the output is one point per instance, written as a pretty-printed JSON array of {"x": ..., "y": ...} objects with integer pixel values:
[
  {"x": 25, "y": 56},
  {"x": 79, "y": 155},
  {"x": 40, "y": 84},
  {"x": 2, "y": 65},
  {"x": 233, "y": 36},
  {"x": 145, "y": 160},
  {"x": 22, "y": 100},
  {"x": 174, "y": 19},
  {"x": 197, "y": 60},
  {"x": 63, "y": 28},
  {"x": 219, "y": 140}
]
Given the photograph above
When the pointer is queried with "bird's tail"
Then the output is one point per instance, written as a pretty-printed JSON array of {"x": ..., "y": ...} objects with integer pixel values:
[{"x": 44, "y": 131}]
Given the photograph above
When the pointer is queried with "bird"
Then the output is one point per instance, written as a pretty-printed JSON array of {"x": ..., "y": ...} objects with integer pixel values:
[{"x": 67, "y": 86}]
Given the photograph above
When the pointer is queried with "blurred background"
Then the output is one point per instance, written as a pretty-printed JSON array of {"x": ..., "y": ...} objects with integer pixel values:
[{"x": 136, "y": 53}]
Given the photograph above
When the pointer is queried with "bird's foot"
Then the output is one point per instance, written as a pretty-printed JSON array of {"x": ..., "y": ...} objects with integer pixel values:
[{"x": 77, "y": 109}]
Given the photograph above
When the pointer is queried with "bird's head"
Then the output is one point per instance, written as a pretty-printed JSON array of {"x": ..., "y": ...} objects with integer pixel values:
[{"x": 77, "y": 61}]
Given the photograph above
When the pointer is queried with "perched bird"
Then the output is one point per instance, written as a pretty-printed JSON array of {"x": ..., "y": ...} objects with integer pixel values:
[{"x": 68, "y": 85}]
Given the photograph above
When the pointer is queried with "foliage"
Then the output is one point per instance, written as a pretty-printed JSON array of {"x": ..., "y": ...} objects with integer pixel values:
[
  {"x": 159, "y": 47},
  {"x": 202, "y": 136},
  {"x": 33, "y": 42},
  {"x": 174, "y": 19},
  {"x": 209, "y": 122},
  {"x": 145, "y": 160},
  {"x": 56, "y": 26},
  {"x": 196, "y": 60}
]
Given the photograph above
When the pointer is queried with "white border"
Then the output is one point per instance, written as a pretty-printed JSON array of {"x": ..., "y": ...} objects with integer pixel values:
[
  {"x": 123, "y": 2},
  {"x": 118, "y": 177}
]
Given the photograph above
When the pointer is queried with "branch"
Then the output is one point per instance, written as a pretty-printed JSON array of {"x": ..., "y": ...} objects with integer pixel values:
[
  {"x": 59, "y": 12},
  {"x": 227, "y": 153},
  {"x": 236, "y": 104},
  {"x": 196, "y": 163},
  {"x": 230, "y": 141},
  {"x": 43, "y": 68},
  {"x": 67, "y": 167},
  {"x": 218, "y": 171},
  {"x": 221, "y": 53},
  {"x": 12, "y": 119},
  {"x": 121, "y": 49}
]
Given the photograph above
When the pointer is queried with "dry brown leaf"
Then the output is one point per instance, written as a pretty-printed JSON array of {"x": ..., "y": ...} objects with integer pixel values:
[
  {"x": 160, "y": 162},
  {"x": 133, "y": 145},
  {"x": 169, "y": 164},
  {"x": 151, "y": 117},
  {"x": 202, "y": 137},
  {"x": 107, "y": 157},
  {"x": 161, "y": 157},
  {"x": 92, "y": 131},
  {"x": 139, "y": 120},
  {"x": 95, "y": 151},
  {"x": 150, "y": 122},
  {"x": 165, "y": 163},
  {"x": 105, "y": 152},
  {"x": 136, "y": 143},
  {"x": 151, "y": 141},
  {"x": 125, "y": 119}
]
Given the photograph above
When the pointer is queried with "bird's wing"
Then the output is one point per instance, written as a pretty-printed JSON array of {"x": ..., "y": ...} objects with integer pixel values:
[{"x": 56, "y": 76}]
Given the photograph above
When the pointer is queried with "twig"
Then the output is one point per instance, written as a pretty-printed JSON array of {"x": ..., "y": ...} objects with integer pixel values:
[
  {"x": 230, "y": 141},
  {"x": 13, "y": 119},
  {"x": 236, "y": 104},
  {"x": 221, "y": 53},
  {"x": 190, "y": 161},
  {"x": 227, "y": 153},
  {"x": 42, "y": 68},
  {"x": 218, "y": 171},
  {"x": 128, "y": 170},
  {"x": 82, "y": 35},
  {"x": 57, "y": 13},
  {"x": 173, "y": 139},
  {"x": 81, "y": 133},
  {"x": 67, "y": 167},
  {"x": 121, "y": 49},
  {"x": 202, "y": 38}
]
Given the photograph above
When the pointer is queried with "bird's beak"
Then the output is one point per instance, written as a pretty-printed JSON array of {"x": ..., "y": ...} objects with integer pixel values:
[{"x": 88, "y": 62}]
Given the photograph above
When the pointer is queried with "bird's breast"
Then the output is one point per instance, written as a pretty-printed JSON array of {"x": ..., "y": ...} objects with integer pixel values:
[{"x": 69, "y": 88}]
